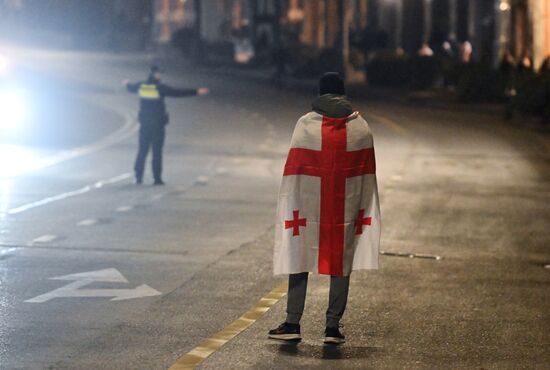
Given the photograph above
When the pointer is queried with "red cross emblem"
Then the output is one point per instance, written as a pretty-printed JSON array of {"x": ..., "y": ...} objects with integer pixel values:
[
  {"x": 333, "y": 164},
  {"x": 295, "y": 223},
  {"x": 361, "y": 221}
]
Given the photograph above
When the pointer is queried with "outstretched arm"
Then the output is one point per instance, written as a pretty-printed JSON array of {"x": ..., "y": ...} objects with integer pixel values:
[
  {"x": 131, "y": 87},
  {"x": 166, "y": 90}
]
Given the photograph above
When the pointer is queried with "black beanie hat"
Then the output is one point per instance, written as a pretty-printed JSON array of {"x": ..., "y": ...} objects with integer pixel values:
[
  {"x": 331, "y": 83},
  {"x": 155, "y": 69}
]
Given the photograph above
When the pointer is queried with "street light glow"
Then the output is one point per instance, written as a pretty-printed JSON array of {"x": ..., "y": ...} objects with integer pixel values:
[
  {"x": 5, "y": 191},
  {"x": 16, "y": 160},
  {"x": 12, "y": 106},
  {"x": 4, "y": 64}
]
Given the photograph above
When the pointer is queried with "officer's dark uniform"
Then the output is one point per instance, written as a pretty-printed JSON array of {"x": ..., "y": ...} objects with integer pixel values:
[{"x": 153, "y": 118}]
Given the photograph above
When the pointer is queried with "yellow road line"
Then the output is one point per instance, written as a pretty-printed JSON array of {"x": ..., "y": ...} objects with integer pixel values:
[
  {"x": 198, "y": 354},
  {"x": 390, "y": 123}
]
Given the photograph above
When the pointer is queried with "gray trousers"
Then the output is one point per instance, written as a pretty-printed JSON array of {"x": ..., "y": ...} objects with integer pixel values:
[{"x": 338, "y": 298}]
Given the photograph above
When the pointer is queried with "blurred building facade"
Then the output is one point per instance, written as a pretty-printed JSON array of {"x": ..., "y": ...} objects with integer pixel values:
[
  {"x": 171, "y": 15},
  {"x": 489, "y": 26},
  {"x": 525, "y": 28}
]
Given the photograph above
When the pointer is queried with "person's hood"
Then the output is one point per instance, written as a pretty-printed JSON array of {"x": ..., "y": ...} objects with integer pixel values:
[{"x": 331, "y": 105}]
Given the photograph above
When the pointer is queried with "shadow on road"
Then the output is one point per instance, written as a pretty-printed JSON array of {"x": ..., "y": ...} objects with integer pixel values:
[{"x": 321, "y": 351}]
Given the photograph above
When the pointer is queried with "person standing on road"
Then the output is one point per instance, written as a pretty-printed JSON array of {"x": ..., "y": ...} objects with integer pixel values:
[
  {"x": 328, "y": 216},
  {"x": 153, "y": 118}
]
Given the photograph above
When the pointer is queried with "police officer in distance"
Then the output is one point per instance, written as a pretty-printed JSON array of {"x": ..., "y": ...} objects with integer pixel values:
[{"x": 153, "y": 118}]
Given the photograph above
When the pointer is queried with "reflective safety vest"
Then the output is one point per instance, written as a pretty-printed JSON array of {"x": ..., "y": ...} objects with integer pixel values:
[{"x": 148, "y": 91}]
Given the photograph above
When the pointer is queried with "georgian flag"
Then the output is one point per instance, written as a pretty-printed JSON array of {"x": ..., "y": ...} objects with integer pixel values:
[{"x": 328, "y": 215}]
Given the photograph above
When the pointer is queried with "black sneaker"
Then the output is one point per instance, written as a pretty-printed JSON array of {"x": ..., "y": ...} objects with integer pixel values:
[
  {"x": 333, "y": 336},
  {"x": 286, "y": 331},
  {"x": 138, "y": 181},
  {"x": 158, "y": 182}
]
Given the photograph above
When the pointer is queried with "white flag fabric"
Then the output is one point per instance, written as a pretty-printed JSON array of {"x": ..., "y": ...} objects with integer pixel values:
[{"x": 328, "y": 214}]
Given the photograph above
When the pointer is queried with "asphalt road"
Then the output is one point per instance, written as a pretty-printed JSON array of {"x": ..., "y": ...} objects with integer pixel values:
[{"x": 164, "y": 268}]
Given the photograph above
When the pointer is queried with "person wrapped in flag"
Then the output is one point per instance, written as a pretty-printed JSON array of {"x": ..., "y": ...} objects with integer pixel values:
[{"x": 328, "y": 215}]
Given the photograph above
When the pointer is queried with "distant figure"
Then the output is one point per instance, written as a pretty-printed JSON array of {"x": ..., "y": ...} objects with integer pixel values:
[
  {"x": 545, "y": 66},
  {"x": 153, "y": 118},
  {"x": 328, "y": 218},
  {"x": 466, "y": 51},
  {"x": 447, "y": 50},
  {"x": 447, "y": 58},
  {"x": 526, "y": 64},
  {"x": 425, "y": 50},
  {"x": 280, "y": 58},
  {"x": 507, "y": 70},
  {"x": 544, "y": 78},
  {"x": 507, "y": 63}
]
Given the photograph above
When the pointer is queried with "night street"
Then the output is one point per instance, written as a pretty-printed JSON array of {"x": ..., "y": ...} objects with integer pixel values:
[{"x": 151, "y": 272}]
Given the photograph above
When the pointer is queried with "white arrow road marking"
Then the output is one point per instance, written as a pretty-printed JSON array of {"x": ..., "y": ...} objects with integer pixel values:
[
  {"x": 107, "y": 275},
  {"x": 112, "y": 275}
]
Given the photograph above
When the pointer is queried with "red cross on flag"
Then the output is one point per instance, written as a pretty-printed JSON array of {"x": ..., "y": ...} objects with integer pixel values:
[{"x": 328, "y": 211}]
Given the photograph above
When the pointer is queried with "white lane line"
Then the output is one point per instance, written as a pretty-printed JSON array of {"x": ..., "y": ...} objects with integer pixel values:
[
  {"x": 123, "y": 209},
  {"x": 212, "y": 165},
  {"x": 112, "y": 180},
  {"x": 6, "y": 251},
  {"x": 221, "y": 171},
  {"x": 45, "y": 239},
  {"x": 88, "y": 222},
  {"x": 201, "y": 180},
  {"x": 157, "y": 197},
  {"x": 68, "y": 194}
]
